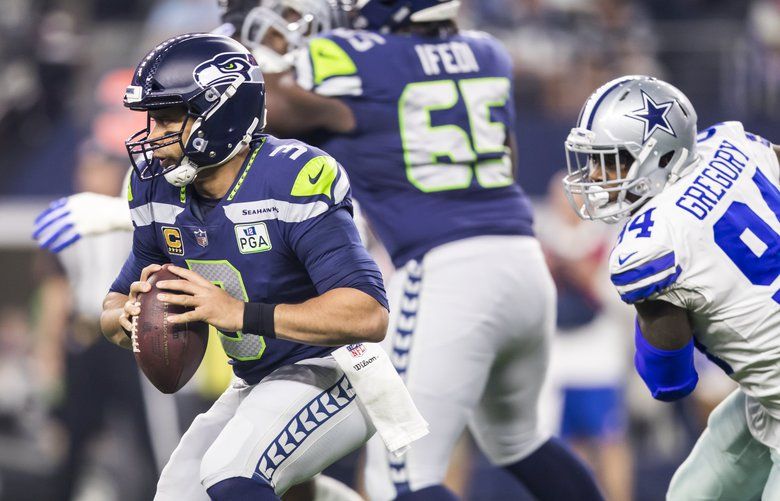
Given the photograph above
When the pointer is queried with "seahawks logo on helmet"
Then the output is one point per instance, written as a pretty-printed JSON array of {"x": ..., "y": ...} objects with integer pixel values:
[{"x": 224, "y": 69}]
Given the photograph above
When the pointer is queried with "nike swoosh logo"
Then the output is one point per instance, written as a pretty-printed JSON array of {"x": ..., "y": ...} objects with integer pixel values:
[
  {"x": 622, "y": 260},
  {"x": 325, "y": 54},
  {"x": 313, "y": 180}
]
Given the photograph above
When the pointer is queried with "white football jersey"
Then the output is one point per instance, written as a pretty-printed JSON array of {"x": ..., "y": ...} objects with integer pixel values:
[{"x": 710, "y": 243}]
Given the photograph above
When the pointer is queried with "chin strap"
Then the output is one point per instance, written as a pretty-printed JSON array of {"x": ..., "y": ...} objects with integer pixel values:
[
  {"x": 680, "y": 167},
  {"x": 641, "y": 158},
  {"x": 187, "y": 171},
  {"x": 184, "y": 174}
]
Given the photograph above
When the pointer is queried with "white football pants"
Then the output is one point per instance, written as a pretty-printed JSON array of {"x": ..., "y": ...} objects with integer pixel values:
[
  {"x": 282, "y": 431},
  {"x": 727, "y": 463},
  {"x": 469, "y": 332}
]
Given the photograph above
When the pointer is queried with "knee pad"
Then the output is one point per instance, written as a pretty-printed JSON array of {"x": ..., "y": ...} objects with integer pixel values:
[
  {"x": 693, "y": 481},
  {"x": 330, "y": 488},
  {"x": 223, "y": 459},
  {"x": 502, "y": 454}
]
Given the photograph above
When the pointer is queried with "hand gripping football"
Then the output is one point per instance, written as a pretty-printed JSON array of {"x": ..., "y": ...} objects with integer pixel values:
[{"x": 168, "y": 354}]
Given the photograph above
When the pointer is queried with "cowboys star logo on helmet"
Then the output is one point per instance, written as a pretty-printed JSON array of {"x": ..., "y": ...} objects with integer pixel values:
[
  {"x": 615, "y": 164},
  {"x": 653, "y": 116},
  {"x": 225, "y": 68}
]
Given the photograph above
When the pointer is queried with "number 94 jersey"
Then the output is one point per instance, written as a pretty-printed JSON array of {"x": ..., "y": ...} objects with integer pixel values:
[
  {"x": 428, "y": 160},
  {"x": 710, "y": 243}
]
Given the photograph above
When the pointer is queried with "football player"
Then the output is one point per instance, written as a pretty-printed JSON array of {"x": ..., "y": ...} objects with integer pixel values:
[
  {"x": 269, "y": 221},
  {"x": 699, "y": 258},
  {"x": 284, "y": 25},
  {"x": 274, "y": 29},
  {"x": 422, "y": 117},
  {"x": 287, "y": 23}
]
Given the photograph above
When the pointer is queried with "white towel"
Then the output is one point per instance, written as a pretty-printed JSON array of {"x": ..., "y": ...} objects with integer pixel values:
[{"x": 383, "y": 394}]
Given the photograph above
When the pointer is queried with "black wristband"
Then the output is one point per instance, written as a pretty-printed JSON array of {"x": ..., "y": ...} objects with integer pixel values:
[{"x": 259, "y": 319}]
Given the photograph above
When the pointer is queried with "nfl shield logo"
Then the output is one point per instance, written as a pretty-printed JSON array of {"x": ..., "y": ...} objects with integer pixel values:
[
  {"x": 201, "y": 237},
  {"x": 356, "y": 349}
]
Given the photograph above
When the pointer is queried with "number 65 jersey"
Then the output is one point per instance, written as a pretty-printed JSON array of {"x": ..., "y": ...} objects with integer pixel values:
[
  {"x": 710, "y": 243},
  {"x": 428, "y": 160}
]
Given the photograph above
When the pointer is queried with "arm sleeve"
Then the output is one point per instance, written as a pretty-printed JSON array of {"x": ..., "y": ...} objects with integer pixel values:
[
  {"x": 330, "y": 249},
  {"x": 142, "y": 255},
  {"x": 145, "y": 250},
  {"x": 669, "y": 375}
]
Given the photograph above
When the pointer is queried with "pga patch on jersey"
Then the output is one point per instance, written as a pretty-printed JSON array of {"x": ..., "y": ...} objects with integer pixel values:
[{"x": 252, "y": 237}]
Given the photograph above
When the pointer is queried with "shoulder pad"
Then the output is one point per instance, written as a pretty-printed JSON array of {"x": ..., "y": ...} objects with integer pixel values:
[
  {"x": 328, "y": 66},
  {"x": 319, "y": 176},
  {"x": 643, "y": 262},
  {"x": 329, "y": 60},
  {"x": 308, "y": 172},
  {"x": 765, "y": 154}
]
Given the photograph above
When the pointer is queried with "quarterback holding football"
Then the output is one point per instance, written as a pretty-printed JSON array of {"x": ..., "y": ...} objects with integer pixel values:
[{"x": 260, "y": 234}]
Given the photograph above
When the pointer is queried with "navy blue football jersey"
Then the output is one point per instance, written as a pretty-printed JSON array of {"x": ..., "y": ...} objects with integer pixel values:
[
  {"x": 429, "y": 160},
  {"x": 283, "y": 233}
]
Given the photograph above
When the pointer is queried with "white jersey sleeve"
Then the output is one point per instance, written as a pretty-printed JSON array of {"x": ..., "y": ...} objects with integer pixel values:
[{"x": 643, "y": 263}]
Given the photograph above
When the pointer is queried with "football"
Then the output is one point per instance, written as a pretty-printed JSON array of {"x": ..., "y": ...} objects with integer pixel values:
[{"x": 168, "y": 354}]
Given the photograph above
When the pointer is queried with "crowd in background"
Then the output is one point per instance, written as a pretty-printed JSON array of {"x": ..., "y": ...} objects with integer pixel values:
[
  {"x": 724, "y": 54},
  {"x": 64, "y": 67}
]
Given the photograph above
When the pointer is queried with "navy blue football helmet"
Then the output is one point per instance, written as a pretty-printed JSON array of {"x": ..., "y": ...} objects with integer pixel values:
[
  {"x": 219, "y": 85},
  {"x": 388, "y": 15}
]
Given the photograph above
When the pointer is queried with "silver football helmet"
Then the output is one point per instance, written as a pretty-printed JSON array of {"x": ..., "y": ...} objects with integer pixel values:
[
  {"x": 634, "y": 135},
  {"x": 295, "y": 20}
]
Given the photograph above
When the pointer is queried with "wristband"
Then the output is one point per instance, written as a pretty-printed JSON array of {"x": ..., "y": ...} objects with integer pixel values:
[{"x": 259, "y": 319}]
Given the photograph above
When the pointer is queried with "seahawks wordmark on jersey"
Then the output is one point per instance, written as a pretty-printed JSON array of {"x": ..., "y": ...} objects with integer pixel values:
[
  {"x": 283, "y": 233},
  {"x": 710, "y": 243},
  {"x": 429, "y": 160}
]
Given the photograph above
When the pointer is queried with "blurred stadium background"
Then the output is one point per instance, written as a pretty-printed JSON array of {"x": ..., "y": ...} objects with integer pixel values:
[{"x": 64, "y": 425}]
